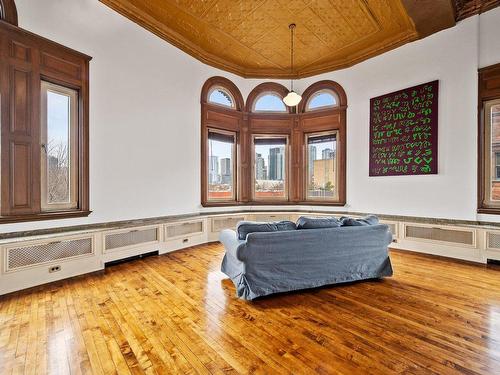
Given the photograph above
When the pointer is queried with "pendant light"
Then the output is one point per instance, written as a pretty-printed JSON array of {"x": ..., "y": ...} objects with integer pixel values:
[{"x": 292, "y": 98}]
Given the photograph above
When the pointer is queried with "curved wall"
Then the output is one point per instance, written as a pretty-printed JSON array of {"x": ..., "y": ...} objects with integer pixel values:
[{"x": 145, "y": 115}]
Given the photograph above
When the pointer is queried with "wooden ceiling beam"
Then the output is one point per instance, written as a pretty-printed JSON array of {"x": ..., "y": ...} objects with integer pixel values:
[{"x": 430, "y": 16}]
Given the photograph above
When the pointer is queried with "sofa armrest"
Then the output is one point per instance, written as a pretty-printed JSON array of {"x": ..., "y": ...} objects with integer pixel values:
[{"x": 231, "y": 243}]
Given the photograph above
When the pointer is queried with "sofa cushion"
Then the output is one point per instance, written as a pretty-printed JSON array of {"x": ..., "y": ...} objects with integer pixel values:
[
  {"x": 245, "y": 227},
  {"x": 365, "y": 221},
  {"x": 305, "y": 222}
]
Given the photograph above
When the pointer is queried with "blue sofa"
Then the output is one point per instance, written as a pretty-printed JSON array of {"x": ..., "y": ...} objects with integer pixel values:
[{"x": 281, "y": 261}]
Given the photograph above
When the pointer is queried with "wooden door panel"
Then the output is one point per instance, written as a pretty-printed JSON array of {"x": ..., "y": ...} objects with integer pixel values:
[
  {"x": 20, "y": 52},
  {"x": 20, "y": 93},
  {"x": 21, "y": 176}
]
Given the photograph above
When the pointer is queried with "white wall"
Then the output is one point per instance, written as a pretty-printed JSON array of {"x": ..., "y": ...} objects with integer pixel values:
[
  {"x": 489, "y": 41},
  {"x": 145, "y": 92},
  {"x": 144, "y": 112},
  {"x": 451, "y": 57}
]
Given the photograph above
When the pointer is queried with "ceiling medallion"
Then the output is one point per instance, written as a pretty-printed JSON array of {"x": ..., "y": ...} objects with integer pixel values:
[{"x": 292, "y": 99}]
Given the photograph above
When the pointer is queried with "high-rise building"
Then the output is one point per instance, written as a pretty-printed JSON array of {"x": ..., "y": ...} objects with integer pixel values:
[
  {"x": 324, "y": 175},
  {"x": 213, "y": 170},
  {"x": 312, "y": 157},
  {"x": 327, "y": 153},
  {"x": 225, "y": 170},
  {"x": 276, "y": 163},
  {"x": 260, "y": 168}
]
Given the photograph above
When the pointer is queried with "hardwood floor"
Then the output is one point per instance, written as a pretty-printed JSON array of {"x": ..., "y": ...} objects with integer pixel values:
[{"x": 177, "y": 313}]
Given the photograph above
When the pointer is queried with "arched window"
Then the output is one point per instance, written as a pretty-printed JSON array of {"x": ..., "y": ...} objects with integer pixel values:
[
  {"x": 324, "y": 164},
  {"x": 220, "y": 96},
  {"x": 322, "y": 99},
  {"x": 267, "y": 98},
  {"x": 8, "y": 11},
  {"x": 269, "y": 102},
  {"x": 265, "y": 152},
  {"x": 222, "y": 106}
]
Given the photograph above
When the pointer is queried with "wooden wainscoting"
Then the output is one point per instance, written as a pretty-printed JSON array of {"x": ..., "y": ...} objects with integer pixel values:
[{"x": 177, "y": 313}]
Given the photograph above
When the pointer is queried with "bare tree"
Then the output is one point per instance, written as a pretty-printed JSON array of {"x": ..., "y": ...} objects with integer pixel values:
[{"x": 57, "y": 172}]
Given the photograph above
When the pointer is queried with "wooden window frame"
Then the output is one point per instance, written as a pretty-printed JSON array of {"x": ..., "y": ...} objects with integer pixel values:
[
  {"x": 26, "y": 60},
  {"x": 222, "y": 88},
  {"x": 234, "y": 164},
  {"x": 267, "y": 111},
  {"x": 307, "y": 165},
  {"x": 8, "y": 12},
  {"x": 73, "y": 147},
  {"x": 317, "y": 93},
  {"x": 224, "y": 119},
  {"x": 286, "y": 181},
  {"x": 489, "y": 91},
  {"x": 293, "y": 124}
]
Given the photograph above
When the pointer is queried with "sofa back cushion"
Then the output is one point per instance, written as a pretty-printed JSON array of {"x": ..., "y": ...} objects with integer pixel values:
[
  {"x": 245, "y": 227},
  {"x": 364, "y": 221},
  {"x": 305, "y": 222}
]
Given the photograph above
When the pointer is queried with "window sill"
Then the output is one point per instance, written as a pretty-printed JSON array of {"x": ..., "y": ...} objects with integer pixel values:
[
  {"x": 44, "y": 216},
  {"x": 274, "y": 203}
]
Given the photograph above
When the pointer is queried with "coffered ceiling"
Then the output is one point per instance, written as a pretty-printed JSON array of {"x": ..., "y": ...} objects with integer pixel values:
[{"x": 251, "y": 37}]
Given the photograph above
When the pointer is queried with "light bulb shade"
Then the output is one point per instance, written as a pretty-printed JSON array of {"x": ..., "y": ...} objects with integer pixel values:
[{"x": 292, "y": 99}]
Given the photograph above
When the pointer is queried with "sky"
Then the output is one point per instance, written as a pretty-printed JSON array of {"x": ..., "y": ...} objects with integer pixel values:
[{"x": 57, "y": 117}]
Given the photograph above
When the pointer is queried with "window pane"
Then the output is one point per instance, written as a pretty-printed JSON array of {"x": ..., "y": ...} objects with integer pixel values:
[
  {"x": 221, "y": 97},
  {"x": 321, "y": 156},
  {"x": 220, "y": 166},
  {"x": 58, "y": 148},
  {"x": 270, "y": 168},
  {"x": 269, "y": 103},
  {"x": 322, "y": 99},
  {"x": 494, "y": 120},
  {"x": 58, "y": 134}
]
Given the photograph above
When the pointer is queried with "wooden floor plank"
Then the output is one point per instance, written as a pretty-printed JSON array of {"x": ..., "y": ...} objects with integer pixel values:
[{"x": 178, "y": 313}]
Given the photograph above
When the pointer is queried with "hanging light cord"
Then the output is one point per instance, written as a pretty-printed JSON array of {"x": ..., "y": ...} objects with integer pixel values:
[{"x": 292, "y": 28}]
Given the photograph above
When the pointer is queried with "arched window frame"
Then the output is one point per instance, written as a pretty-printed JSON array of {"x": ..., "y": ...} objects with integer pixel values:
[
  {"x": 319, "y": 87},
  {"x": 264, "y": 89},
  {"x": 225, "y": 120},
  {"x": 295, "y": 125},
  {"x": 226, "y": 85},
  {"x": 268, "y": 93},
  {"x": 8, "y": 12},
  {"x": 226, "y": 91},
  {"x": 325, "y": 120},
  {"x": 318, "y": 93}
]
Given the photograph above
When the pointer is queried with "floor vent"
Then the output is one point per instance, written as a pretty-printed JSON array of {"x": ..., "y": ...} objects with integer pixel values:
[
  {"x": 184, "y": 229},
  {"x": 35, "y": 255},
  {"x": 221, "y": 223},
  {"x": 130, "y": 238},
  {"x": 130, "y": 259},
  {"x": 455, "y": 236}
]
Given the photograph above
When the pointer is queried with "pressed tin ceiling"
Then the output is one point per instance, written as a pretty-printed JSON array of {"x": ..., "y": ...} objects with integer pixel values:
[{"x": 251, "y": 37}]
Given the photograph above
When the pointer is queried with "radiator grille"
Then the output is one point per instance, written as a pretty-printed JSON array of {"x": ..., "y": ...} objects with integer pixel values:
[
  {"x": 493, "y": 240},
  {"x": 266, "y": 218},
  {"x": 184, "y": 229},
  {"x": 439, "y": 234},
  {"x": 133, "y": 237},
  {"x": 39, "y": 254},
  {"x": 219, "y": 224}
]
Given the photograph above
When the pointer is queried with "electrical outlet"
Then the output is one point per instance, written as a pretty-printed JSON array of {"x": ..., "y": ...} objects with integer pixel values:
[{"x": 54, "y": 269}]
